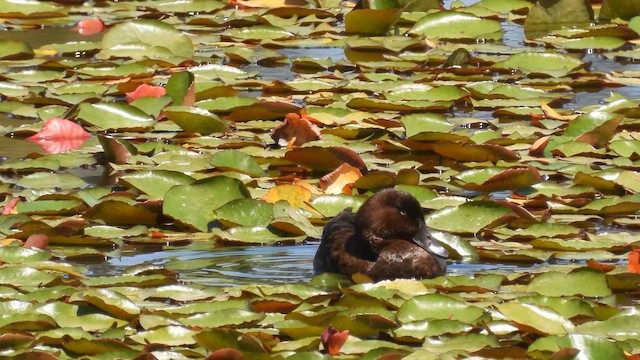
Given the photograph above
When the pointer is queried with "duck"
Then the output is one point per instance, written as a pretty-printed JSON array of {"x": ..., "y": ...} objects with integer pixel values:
[{"x": 386, "y": 239}]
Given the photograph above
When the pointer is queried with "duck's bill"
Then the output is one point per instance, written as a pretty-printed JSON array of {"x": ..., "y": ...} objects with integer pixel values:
[{"x": 425, "y": 241}]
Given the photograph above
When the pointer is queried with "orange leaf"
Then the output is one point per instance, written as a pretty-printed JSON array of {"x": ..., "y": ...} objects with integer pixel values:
[
  {"x": 340, "y": 180},
  {"x": 539, "y": 145},
  {"x": 552, "y": 114},
  {"x": 89, "y": 26},
  {"x": 314, "y": 190},
  {"x": 157, "y": 234},
  {"x": 295, "y": 195},
  {"x": 600, "y": 266},
  {"x": 332, "y": 339},
  {"x": 145, "y": 90},
  {"x": 295, "y": 131},
  {"x": 634, "y": 261}
]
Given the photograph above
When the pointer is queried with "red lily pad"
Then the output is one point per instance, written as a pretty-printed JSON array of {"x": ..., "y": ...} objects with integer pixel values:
[{"x": 60, "y": 135}]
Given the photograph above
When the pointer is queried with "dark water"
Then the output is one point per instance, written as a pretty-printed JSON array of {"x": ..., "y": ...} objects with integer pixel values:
[{"x": 259, "y": 264}]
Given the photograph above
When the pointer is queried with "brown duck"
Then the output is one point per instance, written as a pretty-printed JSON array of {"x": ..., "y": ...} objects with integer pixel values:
[{"x": 386, "y": 239}]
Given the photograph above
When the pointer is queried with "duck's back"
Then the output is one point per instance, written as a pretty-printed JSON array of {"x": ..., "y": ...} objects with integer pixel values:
[{"x": 402, "y": 259}]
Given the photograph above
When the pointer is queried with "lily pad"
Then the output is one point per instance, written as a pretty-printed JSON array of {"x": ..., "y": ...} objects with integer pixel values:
[{"x": 456, "y": 25}]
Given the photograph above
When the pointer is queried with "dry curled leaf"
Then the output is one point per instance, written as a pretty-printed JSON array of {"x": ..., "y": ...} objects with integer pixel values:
[
  {"x": 295, "y": 131},
  {"x": 552, "y": 114},
  {"x": 340, "y": 180},
  {"x": 39, "y": 241},
  {"x": 332, "y": 339}
]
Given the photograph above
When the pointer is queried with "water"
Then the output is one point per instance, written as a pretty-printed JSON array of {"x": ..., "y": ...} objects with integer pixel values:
[{"x": 244, "y": 265}]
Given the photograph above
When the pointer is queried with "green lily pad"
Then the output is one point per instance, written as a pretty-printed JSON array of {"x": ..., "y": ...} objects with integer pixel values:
[
  {"x": 495, "y": 178},
  {"x": 194, "y": 204},
  {"x": 438, "y": 306},
  {"x": 550, "y": 15},
  {"x": 455, "y": 25},
  {"x": 541, "y": 319},
  {"x": 156, "y": 183},
  {"x": 112, "y": 302},
  {"x": 581, "y": 281},
  {"x": 42, "y": 180},
  {"x": 14, "y": 50},
  {"x": 552, "y": 64},
  {"x": 245, "y": 212},
  {"x": 477, "y": 214},
  {"x": 235, "y": 160},
  {"x": 371, "y": 21},
  {"x": 196, "y": 120},
  {"x": 592, "y": 347},
  {"x": 115, "y": 116},
  {"x": 145, "y": 38}
]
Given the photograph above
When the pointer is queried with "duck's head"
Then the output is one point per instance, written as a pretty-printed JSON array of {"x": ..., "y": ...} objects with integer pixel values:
[{"x": 390, "y": 215}]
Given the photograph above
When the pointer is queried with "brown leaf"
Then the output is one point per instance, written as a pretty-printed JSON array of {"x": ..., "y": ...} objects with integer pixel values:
[
  {"x": 325, "y": 158},
  {"x": 332, "y": 339},
  {"x": 538, "y": 146},
  {"x": 295, "y": 131},
  {"x": 474, "y": 152},
  {"x": 601, "y": 135},
  {"x": 226, "y": 354},
  {"x": 340, "y": 180},
  {"x": 39, "y": 241}
]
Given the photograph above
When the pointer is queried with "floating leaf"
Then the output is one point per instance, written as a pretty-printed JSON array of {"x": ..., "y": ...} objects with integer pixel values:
[
  {"x": 112, "y": 302},
  {"x": 114, "y": 116},
  {"x": 60, "y": 135},
  {"x": 145, "y": 90},
  {"x": 540, "y": 319},
  {"x": 552, "y": 64},
  {"x": 371, "y": 21},
  {"x": 581, "y": 281},
  {"x": 196, "y": 120},
  {"x": 235, "y": 160},
  {"x": 145, "y": 38},
  {"x": 495, "y": 178},
  {"x": 14, "y": 50},
  {"x": 89, "y": 26},
  {"x": 549, "y": 15},
  {"x": 193, "y": 204},
  {"x": 340, "y": 180},
  {"x": 295, "y": 131},
  {"x": 156, "y": 183},
  {"x": 477, "y": 214},
  {"x": 455, "y": 25}
]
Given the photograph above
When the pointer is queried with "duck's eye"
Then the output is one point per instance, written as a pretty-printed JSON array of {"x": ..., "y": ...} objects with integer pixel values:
[{"x": 403, "y": 213}]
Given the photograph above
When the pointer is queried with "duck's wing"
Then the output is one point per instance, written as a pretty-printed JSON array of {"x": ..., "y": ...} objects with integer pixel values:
[
  {"x": 334, "y": 253},
  {"x": 403, "y": 259}
]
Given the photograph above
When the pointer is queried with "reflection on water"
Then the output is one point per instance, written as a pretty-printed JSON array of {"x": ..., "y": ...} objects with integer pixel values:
[{"x": 243, "y": 265}]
